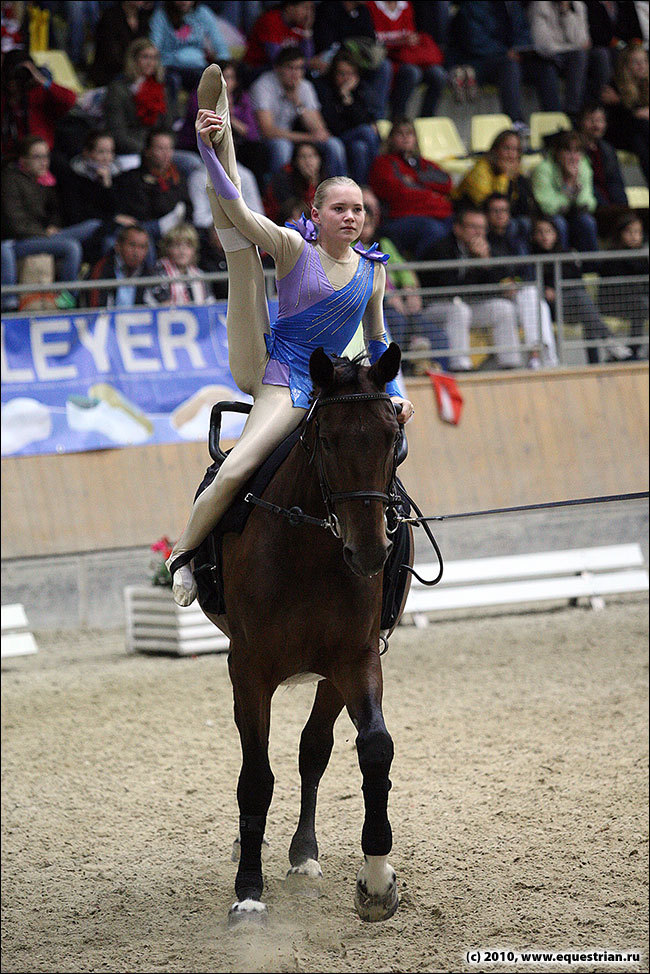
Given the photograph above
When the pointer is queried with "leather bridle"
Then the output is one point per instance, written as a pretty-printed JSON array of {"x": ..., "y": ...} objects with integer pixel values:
[{"x": 333, "y": 497}]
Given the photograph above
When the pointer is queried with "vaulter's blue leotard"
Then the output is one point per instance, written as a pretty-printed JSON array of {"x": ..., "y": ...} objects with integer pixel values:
[{"x": 311, "y": 313}]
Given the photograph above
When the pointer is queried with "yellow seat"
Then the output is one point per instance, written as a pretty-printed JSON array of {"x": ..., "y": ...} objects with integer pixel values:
[
  {"x": 485, "y": 128},
  {"x": 61, "y": 67},
  {"x": 384, "y": 126},
  {"x": 440, "y": 141},
  {"x": 546, "y": 123},
  {"x": 529, "y": 161},
  {"x": 637, "y": 197}
]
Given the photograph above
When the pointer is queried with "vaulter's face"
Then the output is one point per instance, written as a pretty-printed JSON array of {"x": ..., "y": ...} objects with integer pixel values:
[{"x": 342, "y": 214}]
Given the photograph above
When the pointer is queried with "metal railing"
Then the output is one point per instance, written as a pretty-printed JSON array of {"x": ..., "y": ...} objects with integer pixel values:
[{"x": 592, "y": 313}]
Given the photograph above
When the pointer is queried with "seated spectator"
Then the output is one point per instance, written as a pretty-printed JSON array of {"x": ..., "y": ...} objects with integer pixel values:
[
  {"x": 119, "y": 25},
  {"x": 609, "y": 187},
  {"x": 136, "y": 101},
  {"x": 346, "y": 108},
  {"x": 77, "y": 20},
  {"x": 188, "y": 37},
  {"x": 533, "y": 313},
  {"x": 560, "y": 34},
  {"x": 288, "y": 111},
  {"x": 563, "y": 190},
  {"x": 409, "y": 323},
  {"x": 14, "y": 21},
  {"x": 126, "y": 261},
  {"x": 155, "y": 193},
  {"x": 499, "y": 171},
  {"x": 287, "y": 24},
  {"x": 179, "y": 249},
  {"x": 626, "y": 101},
  {"x": 468, "y": 240},
  {"x": 577, "y": 306},
  {"x": 629, "y": 300},
  {"x": 484, "y": 44},
  {"x": 213, "y": 260},
  {"x": 414, "y": 192},
  {"x": 88, "y": 191},
  {"x": 416, "y": 58},
  {"x": 31, "y": 215},
  {"x": 252, "y": 153},
  {"x": 31, "y": 102},
  {"x": 610, "y": 25},
  {"x": 347, "y": 26},
  {"x": 296, "y": 181}
]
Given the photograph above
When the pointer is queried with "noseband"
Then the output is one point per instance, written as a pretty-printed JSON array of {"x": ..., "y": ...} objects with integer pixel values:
[{"x": 332, "y": 497}]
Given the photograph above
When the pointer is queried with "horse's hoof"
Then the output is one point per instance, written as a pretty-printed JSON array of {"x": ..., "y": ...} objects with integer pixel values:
[
  {"x": 305, "y": 879},
  {"x": 380, "y": 901},
  {"x": 373, "y": 907},
  {"x": 236, "y": 849},
  {"x": 249, "y": 912}
]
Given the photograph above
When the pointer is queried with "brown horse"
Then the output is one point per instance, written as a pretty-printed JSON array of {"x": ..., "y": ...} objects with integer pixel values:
[{"x": 302, "y": 600}]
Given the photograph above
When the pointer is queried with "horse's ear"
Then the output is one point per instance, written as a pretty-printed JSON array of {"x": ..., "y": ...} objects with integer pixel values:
[
  {"x": 321, "y": 369},
  {"x": 387, "y": 366}
]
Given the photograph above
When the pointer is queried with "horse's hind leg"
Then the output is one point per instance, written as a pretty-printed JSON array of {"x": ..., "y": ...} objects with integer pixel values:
[
  {"x": 376, "y": 891},
  {"x": 254, "y": 789},
  {"x": 316, "y": 744}
]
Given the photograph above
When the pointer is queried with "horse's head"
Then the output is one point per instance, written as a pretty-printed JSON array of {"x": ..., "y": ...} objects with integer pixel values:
[{"x": 355, "y": 434}]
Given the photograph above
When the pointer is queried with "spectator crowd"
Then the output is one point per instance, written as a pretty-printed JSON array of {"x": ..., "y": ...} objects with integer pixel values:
[{"x": 107, "y": 183}]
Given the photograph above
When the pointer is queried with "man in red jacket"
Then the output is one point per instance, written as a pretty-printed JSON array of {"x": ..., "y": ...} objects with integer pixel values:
[{"x": 414, "y": 192}]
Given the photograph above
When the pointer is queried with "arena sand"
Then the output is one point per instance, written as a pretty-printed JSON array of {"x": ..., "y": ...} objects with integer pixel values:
[{"x": 519, "y": 804}]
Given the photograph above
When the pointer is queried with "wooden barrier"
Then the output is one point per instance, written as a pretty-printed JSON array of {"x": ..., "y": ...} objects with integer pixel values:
[{"x": 523, "y": 438}]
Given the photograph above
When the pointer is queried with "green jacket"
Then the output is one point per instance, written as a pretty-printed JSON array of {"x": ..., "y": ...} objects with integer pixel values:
[
  {"x": 399, "y": 279},
  {"x": 548, "y": 188}
]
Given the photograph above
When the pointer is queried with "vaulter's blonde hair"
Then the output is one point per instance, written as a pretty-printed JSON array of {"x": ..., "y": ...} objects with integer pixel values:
[{"x": 323, "y": 188}]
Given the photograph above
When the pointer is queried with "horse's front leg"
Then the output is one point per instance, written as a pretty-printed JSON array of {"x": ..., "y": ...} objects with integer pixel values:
[
  {"x": 316, "y": 744},
  {"x": 376, "y": 891},
  {"x": 254, "y": 789}
]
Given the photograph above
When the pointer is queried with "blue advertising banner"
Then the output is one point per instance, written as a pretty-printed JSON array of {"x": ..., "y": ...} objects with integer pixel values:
[{"x": 90, "y": 381}]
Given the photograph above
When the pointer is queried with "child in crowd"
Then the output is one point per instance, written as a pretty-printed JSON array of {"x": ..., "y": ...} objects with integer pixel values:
[
  {"x": 629, "y": 300},
  {"x": 179, "y": 248},
  {"x": 576, "y": 303}
]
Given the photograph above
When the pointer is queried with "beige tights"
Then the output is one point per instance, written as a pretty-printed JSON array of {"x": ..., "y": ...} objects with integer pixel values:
[{"x": 272, "y": 416}]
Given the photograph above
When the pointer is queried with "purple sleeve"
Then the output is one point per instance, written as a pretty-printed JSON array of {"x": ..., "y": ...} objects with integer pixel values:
[{"x": 218, "y": 176}]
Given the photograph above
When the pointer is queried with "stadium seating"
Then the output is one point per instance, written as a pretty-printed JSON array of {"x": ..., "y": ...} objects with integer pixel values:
[
  {"x": 61, "y": 68},
  {"x": 440, "y": 141},
  {"x": 485, "y": 128},
  {"x": 546, "y": 123},
  {"x": 637, "y": 197}
]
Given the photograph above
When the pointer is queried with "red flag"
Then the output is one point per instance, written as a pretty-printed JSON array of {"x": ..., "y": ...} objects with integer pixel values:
[{"x": 448, "y": 397}]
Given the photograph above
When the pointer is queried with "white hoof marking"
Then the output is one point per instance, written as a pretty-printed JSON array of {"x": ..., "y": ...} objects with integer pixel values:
[{"x": 376, "y": 895}]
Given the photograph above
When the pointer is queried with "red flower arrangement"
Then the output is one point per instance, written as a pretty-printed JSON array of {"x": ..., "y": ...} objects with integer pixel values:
[{"x": 162, "y": 549}]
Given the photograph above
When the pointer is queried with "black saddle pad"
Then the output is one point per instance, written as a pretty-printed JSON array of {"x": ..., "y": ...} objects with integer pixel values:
[{"x": 207, "y": 560}]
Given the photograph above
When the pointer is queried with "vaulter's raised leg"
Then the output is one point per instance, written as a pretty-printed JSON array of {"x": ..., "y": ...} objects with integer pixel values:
[
  {"x": 247, "y": 320},
  {"x": 361, "y": 687},
  {"x": 255, "y": 787},
  {"x": 316, "y": 744}
]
